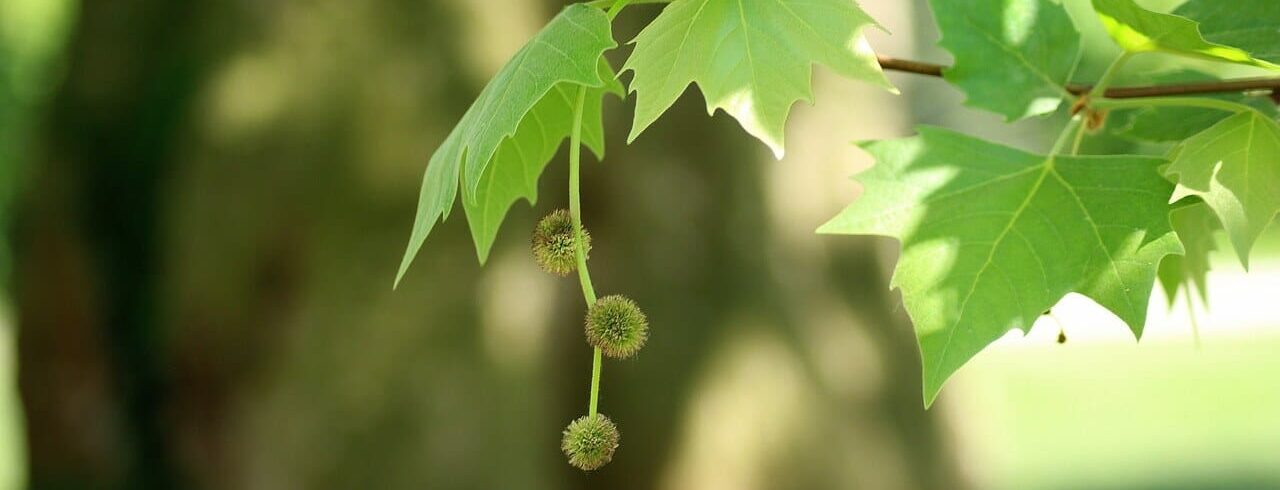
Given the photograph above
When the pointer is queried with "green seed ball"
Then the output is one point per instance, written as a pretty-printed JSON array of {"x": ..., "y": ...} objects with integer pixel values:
[
  {"x": 590, "y": 441},
  {"x": 554, "y": 247},
  {"x": 617, "y": 327}
]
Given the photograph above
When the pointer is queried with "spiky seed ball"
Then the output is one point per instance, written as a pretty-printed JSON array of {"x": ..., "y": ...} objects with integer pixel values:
[
  {"x": 617, "y": 327},
  {"x": 553, "y": 243},
  {"x": 590, "y": 441}
]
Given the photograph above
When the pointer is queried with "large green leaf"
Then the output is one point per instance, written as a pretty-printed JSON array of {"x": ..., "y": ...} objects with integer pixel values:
[
  {"x": 1195, "y": 225},
  {"x": 1167, "y": 124},
  {"x": 992, "y": 237},
  {"x": 1251, "y": 25},
  {"x": 1235, "y": 167},
  {"x": 564, "y": 57},
  {"x": 1140, "y": 30},
  {"x": 753, "y": 59},
  {"x": 1014, "y": 57}
]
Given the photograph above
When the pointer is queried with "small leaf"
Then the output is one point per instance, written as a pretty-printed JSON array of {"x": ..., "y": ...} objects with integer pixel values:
[
  {"x": 1013, "y": 58},
  {"x": 1166, "y": 124},
  {"x": 1195, "y": 225},
  {"x": 1235, "y": 167},
  {"x": 1251, "y": 25},
  {"x": 1140, "y": 30},
  {"x": 992, "y": 237},
  {"x": 563, "y": 57},
  {"x": 753, "y": 59}
]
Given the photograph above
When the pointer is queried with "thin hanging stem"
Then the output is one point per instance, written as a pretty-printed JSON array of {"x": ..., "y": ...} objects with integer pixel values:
[
  {"x": 1062, "y": 327},
  {"x": 575, "y": 210},
  {"x": 597, "y": 360},
  {"x": 575, "y": 198}
]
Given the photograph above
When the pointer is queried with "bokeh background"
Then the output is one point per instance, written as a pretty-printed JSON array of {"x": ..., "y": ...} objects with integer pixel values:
[{"x": 203, "y": 204}]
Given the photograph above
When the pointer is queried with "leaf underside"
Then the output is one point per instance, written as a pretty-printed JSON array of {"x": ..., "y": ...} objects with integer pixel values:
[
  {"x": 1251, "y": 25},
  {"x": 1139, "y": 30},
  {"x": 1235, "y": 167},
  {"x": 1013, "y": 58},
  {"x": 992, "y": 237},
  {"x": 504, "y": 140},
  {"x": 753, "y": 59}
]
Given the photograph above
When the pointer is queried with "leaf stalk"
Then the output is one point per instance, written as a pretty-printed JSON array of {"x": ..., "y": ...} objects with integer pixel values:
[
  {"x": 1065, "y": 137},
  {"x": 1222, "y": 105}
]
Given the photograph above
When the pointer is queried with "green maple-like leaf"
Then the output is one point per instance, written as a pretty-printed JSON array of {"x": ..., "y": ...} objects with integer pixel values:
[
  {"x": 1013, "y": 58},
  {"x": 1139, "y": 30},
  {"x": 1235, "y": 167},
  {"x": 992, "y": 237},
  {"x": 1195, "y": 225},
  {"x": 1167, "y": 124},
  {"x": 753, "y": 59},
  {"x": 1251, "y": 25},
  {"x": 505, "y": 138}
]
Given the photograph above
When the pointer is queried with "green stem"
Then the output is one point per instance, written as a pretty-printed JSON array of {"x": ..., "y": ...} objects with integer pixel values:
[
  {"x": 608, "y": 3},
  {"x": 1100, "y": 89},
  {"x": 575, "y": 198},
  {"x": 575, "y": 210},
  {"x": 1065, "y": 136},
  {"x": 597, "y": 360},
  {"x": 1098, "y": 92},
  {"x": 1221, "y": 105},
  {"x": 1075, "y": 147},
  {"x": 617, "y": 8}
]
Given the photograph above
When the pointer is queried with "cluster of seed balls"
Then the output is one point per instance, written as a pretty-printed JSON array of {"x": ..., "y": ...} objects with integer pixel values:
[{"x": 614, "y": 324}]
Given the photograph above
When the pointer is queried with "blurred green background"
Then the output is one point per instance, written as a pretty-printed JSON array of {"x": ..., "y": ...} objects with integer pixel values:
[{"x": 203, "y": 204}]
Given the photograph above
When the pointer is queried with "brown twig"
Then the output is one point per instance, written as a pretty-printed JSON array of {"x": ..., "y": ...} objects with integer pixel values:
[
  {"x": 909, "y": 66},
  {"x": 1225, "y": 86}
]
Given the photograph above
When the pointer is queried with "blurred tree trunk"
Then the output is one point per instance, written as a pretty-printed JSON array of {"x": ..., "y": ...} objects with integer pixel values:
[
  {"x": 93, "y": 375},
  {"x": 31, "y": 46},
  {"x": 206, "y": 255}
]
